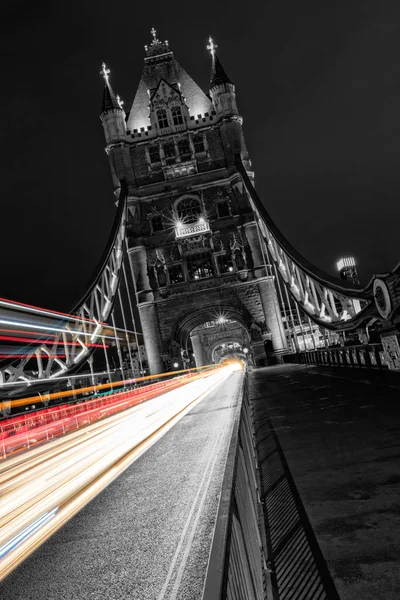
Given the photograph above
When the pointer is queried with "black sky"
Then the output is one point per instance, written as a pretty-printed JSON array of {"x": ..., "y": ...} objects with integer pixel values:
[{"x": 318, "y": 85}]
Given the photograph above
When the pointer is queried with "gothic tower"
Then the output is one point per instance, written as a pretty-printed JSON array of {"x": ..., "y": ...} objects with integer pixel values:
[{"x": 201, "y": 281}]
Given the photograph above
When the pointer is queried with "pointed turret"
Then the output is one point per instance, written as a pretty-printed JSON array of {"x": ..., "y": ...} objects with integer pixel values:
[
  {"x": 113, "y": 115},
  {"x": 218, "y": 75},
  {"x": 109, "y": 98},
  {"x": 222, "y": 89},
  {"x": 222, "y": 92}
]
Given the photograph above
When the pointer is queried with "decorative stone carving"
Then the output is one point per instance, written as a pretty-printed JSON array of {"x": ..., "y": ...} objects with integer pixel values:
[
  {"x": 197, "y": 242},
  {"x": 391, "y": 348}
]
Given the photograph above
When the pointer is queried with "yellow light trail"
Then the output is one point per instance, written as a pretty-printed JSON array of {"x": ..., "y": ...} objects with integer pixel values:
[{"x": 42, "y": 489}]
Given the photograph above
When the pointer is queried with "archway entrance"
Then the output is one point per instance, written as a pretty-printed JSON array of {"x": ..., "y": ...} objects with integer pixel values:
[{"x": 207, "y": 335}]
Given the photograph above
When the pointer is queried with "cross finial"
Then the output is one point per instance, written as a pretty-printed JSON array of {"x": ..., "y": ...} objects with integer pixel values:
[
  {"x": 120, "y": 102},
  {"x": 154, "y": 34},
  {"x": 104, "y": 71},
  {"x": 212, "y": 46}
]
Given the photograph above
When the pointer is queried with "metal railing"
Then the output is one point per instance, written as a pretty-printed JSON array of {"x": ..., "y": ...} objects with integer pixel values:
[
  {"x": 368, "y": 356},
  {"x": 237, "y": 567}
]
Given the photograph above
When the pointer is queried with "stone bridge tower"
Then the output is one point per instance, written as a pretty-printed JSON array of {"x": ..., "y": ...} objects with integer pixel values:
[{"x": 193, "y": 243}]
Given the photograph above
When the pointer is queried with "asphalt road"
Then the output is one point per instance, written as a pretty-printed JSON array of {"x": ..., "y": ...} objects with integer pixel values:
[
  {"x": 339, "y": 430},
  {"x": 147, "y": 536}
]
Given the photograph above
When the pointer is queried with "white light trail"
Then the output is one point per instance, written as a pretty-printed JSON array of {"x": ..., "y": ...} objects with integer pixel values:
[{"x": 43, "y": 488}]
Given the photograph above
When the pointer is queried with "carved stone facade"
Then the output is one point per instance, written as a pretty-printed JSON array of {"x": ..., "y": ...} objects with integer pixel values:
[{"x": 193, "y": 242}]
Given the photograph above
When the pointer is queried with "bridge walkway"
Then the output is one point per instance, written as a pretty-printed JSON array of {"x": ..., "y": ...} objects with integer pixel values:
[
  {"x": 338, "y": 430},
  {"x": 148, "y": 535}
]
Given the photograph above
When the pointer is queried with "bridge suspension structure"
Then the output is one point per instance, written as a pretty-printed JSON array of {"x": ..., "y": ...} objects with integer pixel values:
[
  {"x": 64, "y": 343},
  {"x": 58, "y": 345},
  {"x": 331, "y": 303}
]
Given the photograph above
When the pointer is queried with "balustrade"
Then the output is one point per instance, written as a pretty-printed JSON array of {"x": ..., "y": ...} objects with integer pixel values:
[{"x": 369, "y": 356}]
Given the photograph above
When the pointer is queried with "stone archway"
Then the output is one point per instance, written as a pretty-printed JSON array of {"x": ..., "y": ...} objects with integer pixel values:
[
  {"x": 211, "y": 326},
  {"x": 209, "y": 314}
]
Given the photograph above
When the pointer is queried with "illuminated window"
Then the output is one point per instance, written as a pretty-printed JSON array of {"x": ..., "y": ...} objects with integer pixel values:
[
  {"x": 198, "y": 142},
  {"x": 176, "y": 113},
  {"x": 154, "y": 153},
  {"x": 184, "y": 148},
  {"x": 176, "y": 274},
  {"x": 225, "y": 263},
  {"x": 189, "y": 210},
  {"x": 223, "y": 209},
  {"x": 169, "y": 152},
  {"x": 157, "y": 223},
  {"x": 162, "y": 118},
  {"x": 200, "y": 265}
]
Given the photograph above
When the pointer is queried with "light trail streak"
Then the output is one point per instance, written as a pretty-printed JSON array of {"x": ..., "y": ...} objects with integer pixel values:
[
  {"x": 20, "y": 355},
  {"x": 45, "y": 311},
  {"x": 60, "y": 478},
  {"x": 49, "y": 328},
  {"x": 93, "y": 388},
  {"x": 52, "y": 313},
  {"x": 11, "y": 338}
]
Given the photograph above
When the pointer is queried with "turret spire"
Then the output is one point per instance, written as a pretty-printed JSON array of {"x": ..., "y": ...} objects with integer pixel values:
[
  {"x": 156, "y": 48},
  {"x": 110, "y": 100},
  {"x": 218, "y": 74}
]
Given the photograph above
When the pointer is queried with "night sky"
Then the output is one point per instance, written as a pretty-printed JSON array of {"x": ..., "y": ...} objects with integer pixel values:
[{"x": 318, "y": 85}]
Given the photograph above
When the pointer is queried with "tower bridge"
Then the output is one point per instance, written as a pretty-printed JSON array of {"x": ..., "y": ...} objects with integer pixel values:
[{"x": 195, "y": 270}]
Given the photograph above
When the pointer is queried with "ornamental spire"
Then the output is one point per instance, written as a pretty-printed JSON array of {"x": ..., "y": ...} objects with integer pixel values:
[
  {"x": 110, "y": 100},
  {"x": 218, "y": 74},
  {"x": 156, "y": 47},
  {"x": 211, "y": 46}
]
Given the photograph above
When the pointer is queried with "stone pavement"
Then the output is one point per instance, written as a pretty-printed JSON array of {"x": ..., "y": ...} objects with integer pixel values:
[{"x": 339, "y": 432}]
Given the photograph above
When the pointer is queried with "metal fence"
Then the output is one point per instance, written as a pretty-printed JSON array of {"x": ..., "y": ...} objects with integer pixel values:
[{"x": 369, "y": 356}]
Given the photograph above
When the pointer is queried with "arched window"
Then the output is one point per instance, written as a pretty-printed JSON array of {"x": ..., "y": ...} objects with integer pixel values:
[
  {"x": 223, "y": 209},
  {"x": 184, "y": 148},
  {"x": 154, "y": 153},
  {"x": 176, "y": 113},
  {"x": 189, "y": 210},
  {"x": 198, "y": 143},
  {"x": 162, "y": 118},
  {"x": 169, "y": 152},
  {"x": 157, "y": 223}
]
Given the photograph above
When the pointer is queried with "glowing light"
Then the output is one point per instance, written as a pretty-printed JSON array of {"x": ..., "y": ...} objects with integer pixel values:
[
  {"x": 245, "y": 350},
  {"x": 179, "y": 224},
  {"x": 344, "y": 263},
  {"x": 105, "y": 72},
  {"x": 11, "y": 338},
  {"x": 202, "y": 220},
  {"x": 47, "y": 328},
  {"x": 212, "y": 46},
  {"x": 74, "y": 471},
  {"x": 230, "y": 269},
  {"x": 176, "y": 365},
  {"x": 18, "y": 355},
  {"x": 43, "y": 311}
]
